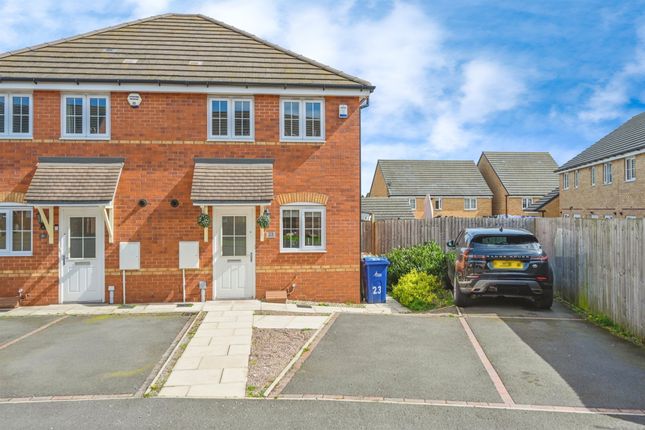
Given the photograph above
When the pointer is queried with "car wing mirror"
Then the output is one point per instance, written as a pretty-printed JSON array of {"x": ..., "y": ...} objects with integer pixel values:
[{"x": 450, "y": 244}]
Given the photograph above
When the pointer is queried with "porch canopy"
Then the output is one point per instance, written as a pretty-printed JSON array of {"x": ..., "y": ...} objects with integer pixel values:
[
  {"x": 75, "y": 181},
  {"x": 233, "y": 181}
]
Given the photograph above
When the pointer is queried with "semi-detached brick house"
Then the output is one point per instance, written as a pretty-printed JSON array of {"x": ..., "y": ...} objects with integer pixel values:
[{"x": 126, "y": 135}]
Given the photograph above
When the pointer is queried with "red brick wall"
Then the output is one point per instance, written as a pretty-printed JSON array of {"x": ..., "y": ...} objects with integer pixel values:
[{"x": 159, "y": 141}]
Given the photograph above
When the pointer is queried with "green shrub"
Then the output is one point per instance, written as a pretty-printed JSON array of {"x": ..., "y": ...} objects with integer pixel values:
[
  {"x": 419, "y": 291},
  {"x": 427, "y": 258}
]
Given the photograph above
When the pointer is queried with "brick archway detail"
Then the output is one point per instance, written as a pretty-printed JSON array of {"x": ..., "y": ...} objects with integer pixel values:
[{"x": 302, "y": 197}]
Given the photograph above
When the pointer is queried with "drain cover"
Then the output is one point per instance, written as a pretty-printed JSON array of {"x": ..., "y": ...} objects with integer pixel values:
[{"x": 304, "y": 306}]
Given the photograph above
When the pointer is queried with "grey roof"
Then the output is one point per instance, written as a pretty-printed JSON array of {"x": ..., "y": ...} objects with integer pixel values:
[
  {"x": 628, "y": 137},
  {"x": 232, "y": 181},
  {"x": 524, "y": 173},
  {"x": 387, "y": 207},
  {"x": 433, "y": 177},
  {"x": 171, "y": 48},
  {"x": 74, "y": 181},
  {"x": 545, "y": 200}
]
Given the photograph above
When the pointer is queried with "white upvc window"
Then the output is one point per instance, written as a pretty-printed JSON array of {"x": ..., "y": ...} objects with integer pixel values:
[
  {"x": 470, "y": 203},
  {"x": 230, "y": 119},
  {"x": 413, "y": 203},
  {"x": 438, "y": 204},
  {"x": 16, "y": 231},
  {"x": 576, "y": 179},
  {"x": 607, "y": 176},
  {"x": 565, "y": 181},
  {"x": 85, "y": 116},
  {"x": 630, "y": 169},
  {"x": 16, "y": 116},
  {"x": 302, "y": 228},
  {"x": 593, "y": 176},
  {"x": 526, "y": 202},
  {"x": 302, "y": 120}
]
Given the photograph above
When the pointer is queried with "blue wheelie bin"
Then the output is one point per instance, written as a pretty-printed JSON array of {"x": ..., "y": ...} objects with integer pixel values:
[{"x": 375, "y": 279}]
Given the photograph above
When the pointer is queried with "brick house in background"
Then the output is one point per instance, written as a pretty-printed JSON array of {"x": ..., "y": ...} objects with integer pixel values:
[
  {"x": 455, "y": 187},
  {"x": 606, "y": 179},
  {"x": 126, "y": 135},
  {"x": 518, "y": 180}
]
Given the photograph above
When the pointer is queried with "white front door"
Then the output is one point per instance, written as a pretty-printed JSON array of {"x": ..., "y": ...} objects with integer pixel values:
[
  {"x": 81, "y": 255},
  {"x": 234, "y": 252}
]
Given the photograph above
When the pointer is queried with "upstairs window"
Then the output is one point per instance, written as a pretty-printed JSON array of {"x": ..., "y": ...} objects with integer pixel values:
[
  {"x": 526, "y": 202},
  {"x": 15, "y": 231},
  {"x": 630, "y": 169},
  {"x": 302, "y": 228},
  {"x": 413, "y": 203},
  {"x": 565, "y": 181},
  {"x": 302, "y": 120},
  {"x": 576, "y": 179},
  {"x": 86, "y": 116},
  {"x": 438, "y": 204},
  {"x": 470, "y": 203},
  {"x": 230, "y": 119},
  {"x": 607, "y": 174},
  {"x": 593, "y": 176},
  {"x": 15, "y": 116}
]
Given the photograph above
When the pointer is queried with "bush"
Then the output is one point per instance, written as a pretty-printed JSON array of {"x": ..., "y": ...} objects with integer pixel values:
[
  {"x": 427, "y": 258},
  {"x": 419, "y": 291}
]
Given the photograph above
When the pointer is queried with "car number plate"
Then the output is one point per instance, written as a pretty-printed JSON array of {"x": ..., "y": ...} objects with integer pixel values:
[{"x": 507, "y": 264}]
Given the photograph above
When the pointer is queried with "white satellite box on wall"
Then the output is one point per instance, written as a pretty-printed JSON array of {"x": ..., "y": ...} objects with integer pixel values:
[
  {"x": 189, "y": 255},
  {"x": 129, "y": 256}
]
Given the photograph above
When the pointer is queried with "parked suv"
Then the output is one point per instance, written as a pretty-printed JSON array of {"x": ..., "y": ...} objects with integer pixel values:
[{"x": 491, "y": 262}]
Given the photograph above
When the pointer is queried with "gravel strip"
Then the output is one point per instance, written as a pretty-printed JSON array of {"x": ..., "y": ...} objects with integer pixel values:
[{"x": 271, "y": 351}]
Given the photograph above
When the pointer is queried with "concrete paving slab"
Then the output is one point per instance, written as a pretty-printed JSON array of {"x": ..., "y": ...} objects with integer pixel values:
[
  {"x": 235, "y": 389},
  {"x": 14, "y": 327},
  {"x": 193, "y": 377},
  {"x": 224, "y": 362},
  {"x": 101, "y": 354},
  {"x": 397, "y": 357},
  {"x": 603, "y": 370},
  {"x": 234, "y": 375}
]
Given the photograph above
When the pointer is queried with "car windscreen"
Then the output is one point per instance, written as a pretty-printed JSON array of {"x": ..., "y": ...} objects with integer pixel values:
[{"x": 505, "y": 240}]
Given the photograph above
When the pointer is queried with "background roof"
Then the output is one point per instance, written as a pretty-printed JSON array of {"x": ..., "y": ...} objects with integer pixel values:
[
  {"x": 524, "y": 173},
  {"x": 434, "y": 177},
  {"x": 387, "y": 207},
  {"x": 628, "y": 137},
  {"x": 171, "y": 48}
]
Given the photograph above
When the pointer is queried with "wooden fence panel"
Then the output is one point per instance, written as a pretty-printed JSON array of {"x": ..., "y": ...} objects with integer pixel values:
[{"x": 599, "y": 265}]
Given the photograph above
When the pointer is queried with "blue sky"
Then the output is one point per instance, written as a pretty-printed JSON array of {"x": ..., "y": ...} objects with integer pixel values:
[{"x": 453, "y": 77}]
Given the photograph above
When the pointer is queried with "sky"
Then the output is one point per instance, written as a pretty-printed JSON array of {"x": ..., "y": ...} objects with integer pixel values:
[{"x": 453, "y": 77}]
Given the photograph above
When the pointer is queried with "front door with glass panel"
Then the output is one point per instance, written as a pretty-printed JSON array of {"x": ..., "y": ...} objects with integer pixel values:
[
  {"x": 81, "y": 255},
  {"x": 234, "y": 252}
]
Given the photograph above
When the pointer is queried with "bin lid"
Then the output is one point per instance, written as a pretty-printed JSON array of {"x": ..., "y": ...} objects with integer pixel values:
[{"x": 376, "y": 260}]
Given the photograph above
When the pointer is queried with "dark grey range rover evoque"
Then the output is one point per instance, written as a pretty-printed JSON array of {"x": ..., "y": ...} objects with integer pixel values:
[{"x": 491, "y": 262}]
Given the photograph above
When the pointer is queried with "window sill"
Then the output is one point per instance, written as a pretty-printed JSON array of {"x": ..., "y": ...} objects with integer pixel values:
[
  {"x": 231, "y": 139},
  {"x": 307, "y": 141},
  {"x": 16, "y": 254},
  {"x": 105, "y": 138},
  {"x": 630, "y": 180},
  {"x": 15, "y": 137},
  {"x": 303, "y": 251}
]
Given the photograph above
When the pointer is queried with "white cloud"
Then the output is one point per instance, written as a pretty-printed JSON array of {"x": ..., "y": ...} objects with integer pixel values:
[{"x": 608, "y": 101}]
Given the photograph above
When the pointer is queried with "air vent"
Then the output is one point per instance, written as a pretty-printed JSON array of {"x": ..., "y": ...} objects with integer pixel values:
[
  {"x": 110, "y": 49},
  {"x": 130, "y": 61},
  {"x": 195, "y": 63}
]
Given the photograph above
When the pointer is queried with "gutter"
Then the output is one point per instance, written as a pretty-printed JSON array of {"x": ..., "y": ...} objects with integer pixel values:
[{"x": 78, "y": 81}]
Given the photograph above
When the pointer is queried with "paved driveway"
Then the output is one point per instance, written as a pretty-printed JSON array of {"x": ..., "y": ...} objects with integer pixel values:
[
  {"x": 534, "y": 359},
  {"x": 103, "y": 354}
]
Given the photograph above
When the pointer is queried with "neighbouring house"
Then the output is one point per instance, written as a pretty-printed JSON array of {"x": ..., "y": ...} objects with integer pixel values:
[
  {"x": 383, "y": 208},
  {"x": 454, "y": 187},
  {"x": 115, "y": 143},
  {"x": 547, "y": 206},
  {"x": 606, "y": 179},
  {"x": 518, "y": 180}
]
